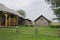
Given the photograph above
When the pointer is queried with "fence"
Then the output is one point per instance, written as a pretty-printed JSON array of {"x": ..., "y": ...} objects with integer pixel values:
[
  {"x": 46, "y": 31},
  {"x": 40, "y": 30}
]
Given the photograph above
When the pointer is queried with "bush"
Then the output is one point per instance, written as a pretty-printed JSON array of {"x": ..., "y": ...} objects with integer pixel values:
[
  {"x": 29, "y": 25},
  {"x": 26, "y": 25},
  {"x": 55, "y": 26},
  {"x": 32, "y": 25}
]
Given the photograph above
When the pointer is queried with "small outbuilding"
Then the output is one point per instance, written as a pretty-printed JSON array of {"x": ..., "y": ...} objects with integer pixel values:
[
  {"x": 42, "y": 21},
  {"x": 27, "y": 22}
]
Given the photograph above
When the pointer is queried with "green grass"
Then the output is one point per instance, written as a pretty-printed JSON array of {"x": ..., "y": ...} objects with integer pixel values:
[{"x": 27, "y": 33}]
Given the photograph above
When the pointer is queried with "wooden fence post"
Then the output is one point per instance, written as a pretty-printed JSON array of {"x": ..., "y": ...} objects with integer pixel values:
[
  {"x": 59, "y": 32},
  {"x": 35, "y": 30},
  {"x": 16, "y": 28}
]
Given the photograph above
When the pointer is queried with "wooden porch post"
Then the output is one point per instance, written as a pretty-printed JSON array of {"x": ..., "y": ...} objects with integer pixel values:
[
  {"x": 17, "y": 25},
  {"x": 17, "y": 20},
  {"x": 6, "y": 19},
  {"x": 9, "y": 20},
  {"x": 14, "y": 21},
  {"x": 0, "y": 20}
]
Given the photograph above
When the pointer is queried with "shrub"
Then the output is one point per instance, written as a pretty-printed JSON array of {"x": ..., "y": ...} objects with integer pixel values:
[
  {"x": 32, "y": 25},
  {"x": 26, "y": 25},
  {"x": 29, "y": 25},
  {"x": 55, "y": 26}
]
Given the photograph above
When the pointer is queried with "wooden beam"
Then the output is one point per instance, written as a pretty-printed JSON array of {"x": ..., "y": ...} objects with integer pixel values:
[
  {"x": 6, "y": 19},
  {"x": 9, "y": 20},
  {"x": 0, "y": 20},
  {"x": 17, "y": 24},
  {"x": 14, "y": 21},
  {"x": 17, "y": 20}
]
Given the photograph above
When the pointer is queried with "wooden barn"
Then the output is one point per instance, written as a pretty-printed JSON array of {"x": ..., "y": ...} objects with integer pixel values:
[
  {"x": 8, "y": 17},
  {"x": 27, "y": 22},
  {"x": 42, "y": 21}
]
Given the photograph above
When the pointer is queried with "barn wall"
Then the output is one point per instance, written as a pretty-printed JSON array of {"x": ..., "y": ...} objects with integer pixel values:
[
  {"x": 26, "y": 22},
  {"x": 41, "y": 22}
]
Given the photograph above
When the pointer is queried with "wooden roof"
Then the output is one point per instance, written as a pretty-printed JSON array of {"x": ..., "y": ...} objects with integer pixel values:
[
  {"x": 28, "y": 20},
  {"x": 43, "y": 17},
  {"x": 5, "y": 9}
]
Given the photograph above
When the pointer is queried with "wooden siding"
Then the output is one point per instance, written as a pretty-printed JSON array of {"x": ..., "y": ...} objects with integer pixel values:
[
  {"x": 41, "y": 22},
  {"x": 27, "y": 22}
]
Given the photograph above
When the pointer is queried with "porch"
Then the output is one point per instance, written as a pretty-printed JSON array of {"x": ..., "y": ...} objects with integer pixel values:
[{"x": 8, "y": 19}]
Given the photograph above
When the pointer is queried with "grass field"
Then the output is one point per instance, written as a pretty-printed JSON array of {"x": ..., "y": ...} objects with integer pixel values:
[{"x": 28, "y": 33}]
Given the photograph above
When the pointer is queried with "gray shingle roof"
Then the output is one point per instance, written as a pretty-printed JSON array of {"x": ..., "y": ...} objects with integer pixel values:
[{"x": 4, "y": 8}]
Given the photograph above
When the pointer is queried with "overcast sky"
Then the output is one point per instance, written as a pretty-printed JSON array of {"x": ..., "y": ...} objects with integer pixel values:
[{"x": 33, "y": 8}]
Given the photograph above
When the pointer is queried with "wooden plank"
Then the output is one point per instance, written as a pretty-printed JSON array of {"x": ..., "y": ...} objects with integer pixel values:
[
  {"x": 6, "y": 19},
  {"x": 9, "y": 20},
  {"x": 17, "y": 20}
]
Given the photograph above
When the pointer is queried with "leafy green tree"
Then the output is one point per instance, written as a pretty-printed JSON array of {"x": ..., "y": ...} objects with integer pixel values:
[
  {"x": 57, "y": 13},
  {"x": 55, "y": 4},
  {"x": 22, "y": 12}
]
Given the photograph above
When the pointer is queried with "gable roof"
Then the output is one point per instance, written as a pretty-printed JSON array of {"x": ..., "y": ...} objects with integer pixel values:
[
  {"x": 28, "y": 20},
  {"x": 4, "y": 8},
  {"x": 43, "y": 17}
]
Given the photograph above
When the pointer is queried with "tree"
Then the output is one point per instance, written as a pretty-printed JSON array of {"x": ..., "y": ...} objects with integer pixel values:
[
  {"x": 22, "y": 12},
  {"x": 55, "y": 5},
  {"x": 57, "y": 13},
  {"x": 54, "y": 2}
]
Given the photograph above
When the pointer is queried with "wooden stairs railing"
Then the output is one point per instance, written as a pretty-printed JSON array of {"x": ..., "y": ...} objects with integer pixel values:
[{"x": 11, "y": 22}]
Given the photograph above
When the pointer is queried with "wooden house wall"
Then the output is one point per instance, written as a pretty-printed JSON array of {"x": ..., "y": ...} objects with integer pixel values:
[{"x": 41, "y": 22}]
